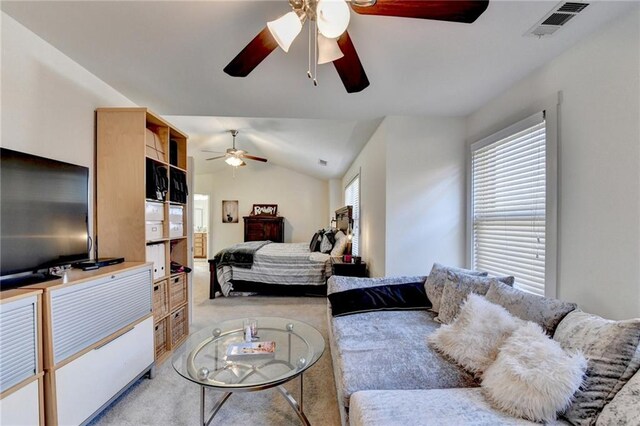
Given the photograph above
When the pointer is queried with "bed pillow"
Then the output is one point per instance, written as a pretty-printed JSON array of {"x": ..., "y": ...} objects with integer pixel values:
[
  {"x": 393, "y": 297},
  {"x": 340, "y": 245},
  {"x": 473, "y": 339},
  {"x": 327, "y": 242},
  {"x": 544, "y": 311},
  {"x": 458, "y": 287},
  {"x": 436, "y": 280},
  {"x": 611, "y": 348},
  {"x": 533, "y": 377},
  {"x": 315, "y": 241}
]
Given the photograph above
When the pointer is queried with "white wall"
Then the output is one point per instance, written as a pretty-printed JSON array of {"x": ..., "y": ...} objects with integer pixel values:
[
  {"x": 425, "y": 213},
  {"x": 371, "y": 164},
  {"x": 48, "y": 100},
  {"x": 302, "y": 200},
  {"x": 599, "y": 163},
  {"x": 412, "y": 195}
]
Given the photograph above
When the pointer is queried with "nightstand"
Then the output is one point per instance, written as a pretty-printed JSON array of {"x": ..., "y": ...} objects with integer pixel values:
[{"x": 338, "y": 267}]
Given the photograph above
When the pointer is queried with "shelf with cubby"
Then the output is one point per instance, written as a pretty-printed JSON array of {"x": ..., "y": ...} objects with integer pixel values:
[{"x": 141, "y": 208}]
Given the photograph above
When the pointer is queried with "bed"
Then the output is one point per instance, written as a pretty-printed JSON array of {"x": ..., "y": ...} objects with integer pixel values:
[{"x": 277, "y": 268}]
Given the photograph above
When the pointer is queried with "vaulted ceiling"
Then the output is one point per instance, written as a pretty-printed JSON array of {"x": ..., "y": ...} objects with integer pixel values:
[{"x": 169, "y": 55}]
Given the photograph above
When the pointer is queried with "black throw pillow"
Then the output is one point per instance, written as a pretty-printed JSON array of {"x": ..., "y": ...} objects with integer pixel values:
[
  {"x": 395, "y": 297},
  {"x": 315, "y": 241}
]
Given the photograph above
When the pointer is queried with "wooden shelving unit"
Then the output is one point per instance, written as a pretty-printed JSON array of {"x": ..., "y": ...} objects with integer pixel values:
[{"x": 136, "y": 220}]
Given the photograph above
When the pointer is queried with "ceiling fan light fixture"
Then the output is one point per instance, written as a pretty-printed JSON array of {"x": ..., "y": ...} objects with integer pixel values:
[
  {"x": 333, "y": 17},
  {"x": 234, "y": 161},
  {"x": 328, "y": 50},
  {"x": 285, "y": 29}
]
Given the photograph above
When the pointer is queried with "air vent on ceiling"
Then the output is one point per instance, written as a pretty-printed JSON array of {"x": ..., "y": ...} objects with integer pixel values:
[
  {"x": 561, "y": 14},
  {"x": 322, "y": 162}
]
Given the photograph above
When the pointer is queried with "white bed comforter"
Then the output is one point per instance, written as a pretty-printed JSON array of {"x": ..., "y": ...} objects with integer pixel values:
[{"x": 280, "y": 263}]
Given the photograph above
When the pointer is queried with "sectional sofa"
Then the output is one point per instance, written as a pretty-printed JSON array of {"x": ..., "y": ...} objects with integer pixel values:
[{"x": 387, "y": 373}]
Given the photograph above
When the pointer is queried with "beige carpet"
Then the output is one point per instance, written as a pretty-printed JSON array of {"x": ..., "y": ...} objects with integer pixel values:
[{"x": 170, "y": 399}]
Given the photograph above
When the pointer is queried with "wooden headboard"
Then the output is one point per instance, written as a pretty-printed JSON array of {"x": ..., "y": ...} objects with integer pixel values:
[{"x": 343, "y": 218}]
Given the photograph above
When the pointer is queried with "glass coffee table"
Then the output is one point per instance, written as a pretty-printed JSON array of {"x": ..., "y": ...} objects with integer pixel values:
[{"x": 203, "y": 360}]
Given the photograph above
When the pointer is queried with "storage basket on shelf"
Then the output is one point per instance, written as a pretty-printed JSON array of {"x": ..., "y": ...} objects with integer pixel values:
[
  {"x": 178, "y": 291},
  {"x": 179, "y": 326},
  {"x": 161, "y": 338},
  {"x": 160, "y": 299}
]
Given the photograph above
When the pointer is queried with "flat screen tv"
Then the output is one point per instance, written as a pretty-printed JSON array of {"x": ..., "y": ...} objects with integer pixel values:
[{"x": 44, "y": 208}]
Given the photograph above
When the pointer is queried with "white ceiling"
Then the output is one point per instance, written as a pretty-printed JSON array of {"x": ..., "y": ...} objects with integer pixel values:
[{"x": 169, "y": 56}]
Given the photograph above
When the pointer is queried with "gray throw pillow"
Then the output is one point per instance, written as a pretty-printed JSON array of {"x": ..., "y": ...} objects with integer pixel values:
[
  {"x": 612, "y": 358},
  {"x": 438, "y": 277},
  {"x": 530, "y": 307},
  {"x": 458, "y": 287}
]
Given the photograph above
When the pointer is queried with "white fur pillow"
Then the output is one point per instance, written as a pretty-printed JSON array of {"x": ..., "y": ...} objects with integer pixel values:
[
  {"x": 533, "y": 377},
  {"x": 473, "y": 339},
  {"x": 340, "y": 244}
]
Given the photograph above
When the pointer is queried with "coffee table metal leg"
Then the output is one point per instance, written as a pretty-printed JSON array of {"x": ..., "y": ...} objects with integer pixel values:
[
  {"x": 297, "y": 407},
  {"x": 215, "y": 408}
]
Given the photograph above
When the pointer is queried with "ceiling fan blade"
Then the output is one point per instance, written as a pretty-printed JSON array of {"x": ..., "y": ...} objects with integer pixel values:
[
  {"x": 215, "y": 158},
  {"x": 251, "y": 157},
  {"x": 454, "y": 11},
  {"x": 252, "y": 54},
  {"x": 349, "y": 66}
]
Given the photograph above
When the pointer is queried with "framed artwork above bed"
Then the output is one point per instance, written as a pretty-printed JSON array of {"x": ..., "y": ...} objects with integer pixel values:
[
  {"x": 229, "y": 211},
  {"x": 264, "y": 210}
]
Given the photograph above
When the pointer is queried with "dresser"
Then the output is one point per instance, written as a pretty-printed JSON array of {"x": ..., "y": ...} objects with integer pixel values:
[
  {"x": 261, "y": 228},
  {"x": 200, "y": 245}
]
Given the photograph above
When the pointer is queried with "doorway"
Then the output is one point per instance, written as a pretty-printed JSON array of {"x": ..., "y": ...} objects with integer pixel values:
[{"x": 200, "y": 226}]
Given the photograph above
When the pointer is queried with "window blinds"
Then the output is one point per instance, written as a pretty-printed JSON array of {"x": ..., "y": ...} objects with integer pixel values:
[
  {"x": 352, "y": 198},
  {"x": 509, "y": 204}
]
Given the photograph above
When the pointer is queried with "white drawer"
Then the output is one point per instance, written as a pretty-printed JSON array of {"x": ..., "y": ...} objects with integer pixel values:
[
  {"x": 21, "y": 407},
  {"x": 154, "y": 211},
  {"x": 176, "y": 230},
  {"x": 153, "y": 230},
  {"x": 86, "y": 383},
  {"x": 175, "y": 214}
]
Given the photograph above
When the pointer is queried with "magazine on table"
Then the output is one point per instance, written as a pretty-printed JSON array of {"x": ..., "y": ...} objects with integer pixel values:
[{"x": 251, "y": 350}]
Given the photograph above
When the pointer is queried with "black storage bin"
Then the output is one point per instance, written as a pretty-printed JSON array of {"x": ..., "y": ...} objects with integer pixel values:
[
  {"x": 173, "y": 152},
  {"x": 157, "y": 181},
  {"x": 179, "y": 191}
]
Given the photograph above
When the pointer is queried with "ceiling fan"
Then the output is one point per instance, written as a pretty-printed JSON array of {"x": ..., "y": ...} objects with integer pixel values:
[
  {"x": 332, "y": 41},
  {"x": 235, "y": 157}
]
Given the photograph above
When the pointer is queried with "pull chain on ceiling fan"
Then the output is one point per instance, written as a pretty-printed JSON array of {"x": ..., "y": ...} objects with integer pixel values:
[
  {"x": 332, "y": 43},
  {"x": 233, "y": 156}
]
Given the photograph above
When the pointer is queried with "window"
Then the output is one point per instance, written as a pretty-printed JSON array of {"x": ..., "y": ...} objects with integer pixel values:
[
  {"x": 509, "y": 203},
  {"x": 352, "y": 198}
]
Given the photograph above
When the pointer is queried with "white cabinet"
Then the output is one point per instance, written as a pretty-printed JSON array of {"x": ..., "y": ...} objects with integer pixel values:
[{"x": 99, "y": 338}]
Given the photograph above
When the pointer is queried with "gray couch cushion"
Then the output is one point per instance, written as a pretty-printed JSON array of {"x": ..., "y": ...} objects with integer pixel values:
[
  {"x": 458, "y": 287},
  {"x": 436, "y": 280},
  {"x": 388, "y": 350},
  {"x": 611, "y": 349},
  {"x": 624, "y": 409},
  {"x": 530, "y": 307},
  {"x": 433, "y": 407}
]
